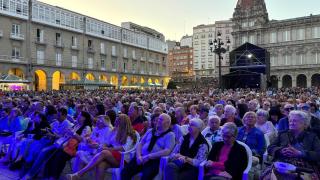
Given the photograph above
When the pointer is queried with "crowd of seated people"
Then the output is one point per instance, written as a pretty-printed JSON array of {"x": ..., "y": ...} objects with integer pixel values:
[{"x": 188, "y": 130}]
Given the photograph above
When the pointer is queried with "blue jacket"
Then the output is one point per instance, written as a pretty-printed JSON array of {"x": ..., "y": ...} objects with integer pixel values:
[
  {"x": 18, "y": 124},
  {"x": 254, "y": 139},
  {"x": 283, "y": 124}
]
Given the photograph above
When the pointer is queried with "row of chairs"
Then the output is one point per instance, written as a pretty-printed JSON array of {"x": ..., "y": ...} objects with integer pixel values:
[{"x": 164, "y": 161}]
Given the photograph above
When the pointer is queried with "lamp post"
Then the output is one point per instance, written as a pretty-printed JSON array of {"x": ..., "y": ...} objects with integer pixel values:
[{"x": 217, "y": 47}]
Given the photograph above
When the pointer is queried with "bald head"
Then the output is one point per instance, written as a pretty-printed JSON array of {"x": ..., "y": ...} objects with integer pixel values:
[{"x": 164, "y": 122}]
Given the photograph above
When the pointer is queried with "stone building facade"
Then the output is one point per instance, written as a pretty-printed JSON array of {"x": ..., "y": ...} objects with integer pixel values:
[
  {"x": 49, "y": 46},
  {"x": 180, "y": 64},
  {"x": 294, "y": 44},
  {"x": 205, "y": 62}
]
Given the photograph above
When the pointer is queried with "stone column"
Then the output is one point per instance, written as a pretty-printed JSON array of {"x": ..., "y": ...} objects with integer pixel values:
[
  {"x": 294, "y": 81},
  {"x": 119, "y": 81},
  {"x": 279, "y": 82},
  {"x": 49, "y": 83},
  {"x": 308, "y": 80},
  {"x": 30, "y": 86}
]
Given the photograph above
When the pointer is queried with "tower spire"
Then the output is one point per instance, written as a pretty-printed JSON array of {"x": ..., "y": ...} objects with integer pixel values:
[{"x": 245, "y": 4}]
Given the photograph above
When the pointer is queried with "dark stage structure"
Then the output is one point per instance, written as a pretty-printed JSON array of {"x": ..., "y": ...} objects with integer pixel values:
[{"x": 249, "y": 68}]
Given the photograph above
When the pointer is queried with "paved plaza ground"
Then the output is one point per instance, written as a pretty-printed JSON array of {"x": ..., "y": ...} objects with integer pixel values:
[{"x": 6, "y": 174}]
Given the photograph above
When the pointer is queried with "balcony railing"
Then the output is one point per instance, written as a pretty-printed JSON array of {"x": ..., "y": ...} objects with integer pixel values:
[
  {"x": 75, "y": 47},
  {"x": 59, "y": 62},
  {"x": 40, "y": 40},
  {"x": 12, "y": 59},
  {"x": 17, "y": 36},
  {"x": 70, "y": 64},
  {"x": 59, "y": 44},
  {"x": 16, "y": 58},
  {"x": 103, "y": 52},
  {"x": 91, "y": 50}
]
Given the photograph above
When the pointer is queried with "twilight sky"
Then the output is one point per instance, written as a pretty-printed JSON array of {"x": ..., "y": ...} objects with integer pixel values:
[{"x": 175, "y": 18}]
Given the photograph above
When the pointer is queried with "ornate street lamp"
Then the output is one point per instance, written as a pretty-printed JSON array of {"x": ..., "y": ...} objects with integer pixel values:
[{"x": 217, "y": 47}]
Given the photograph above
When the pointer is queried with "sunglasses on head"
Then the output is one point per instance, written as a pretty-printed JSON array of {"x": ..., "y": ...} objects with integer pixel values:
[{"x": 304, "y": 107}]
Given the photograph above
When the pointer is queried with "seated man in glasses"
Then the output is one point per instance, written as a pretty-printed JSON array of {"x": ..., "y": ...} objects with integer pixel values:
[
  {"x": 314, "y": 121},
  {"x": 284, "y": 122}
]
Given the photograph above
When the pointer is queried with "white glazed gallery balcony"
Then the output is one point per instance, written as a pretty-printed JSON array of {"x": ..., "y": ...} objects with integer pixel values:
[{"x": 17, "y": 36}]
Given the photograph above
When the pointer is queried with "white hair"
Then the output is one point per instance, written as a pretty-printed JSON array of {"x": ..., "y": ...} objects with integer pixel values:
[
  {"x": 198, "y": 122},
  {"x": 214, "y": 117},
  {"x": 231, "y": 108},
  {"x": 230, "y": 127},
  {"x": 263, "y": 113},
  {"x": 304, "y": 116}
]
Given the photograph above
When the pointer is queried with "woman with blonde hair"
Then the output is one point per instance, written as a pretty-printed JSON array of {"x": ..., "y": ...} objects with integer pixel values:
[
  {"x": 88, "y": 148},
  {"x": 252, "y": 136},
  {"x": 122, "y": 138}
]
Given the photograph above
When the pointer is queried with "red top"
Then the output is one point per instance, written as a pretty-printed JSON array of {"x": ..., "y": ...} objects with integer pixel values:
[{"x": 218, "y": 167}]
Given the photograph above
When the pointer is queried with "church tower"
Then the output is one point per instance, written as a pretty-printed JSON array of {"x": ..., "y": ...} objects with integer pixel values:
[{"x": 248, "y": 16}]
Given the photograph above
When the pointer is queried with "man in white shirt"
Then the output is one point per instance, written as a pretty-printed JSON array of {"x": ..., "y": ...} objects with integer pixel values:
[
  {"x": 155, "y": 144},
  {"x": 213, "y": 132}
]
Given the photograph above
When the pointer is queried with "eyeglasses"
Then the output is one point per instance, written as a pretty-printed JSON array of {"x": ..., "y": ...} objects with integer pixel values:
[
  {"x": 289, "y": 109},
  {"x": 304, "y": 108}
]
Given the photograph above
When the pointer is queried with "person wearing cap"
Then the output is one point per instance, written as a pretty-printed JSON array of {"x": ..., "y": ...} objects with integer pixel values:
[
  {"x": 284, "y": 122},
  {"x": 187, "y": 155}
]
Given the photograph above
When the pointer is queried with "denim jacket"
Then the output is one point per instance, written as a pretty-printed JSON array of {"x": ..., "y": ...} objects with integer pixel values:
[{"x": 254, "y": 139}]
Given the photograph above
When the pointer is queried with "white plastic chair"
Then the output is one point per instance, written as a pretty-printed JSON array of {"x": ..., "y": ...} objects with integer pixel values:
[
  {"x": 210, "y": 145},
  {"x": 164, "y": 161},
  {"x": 116, "y": 172},
  {"x": 245, "y": 175},
  {"x": 265, "y": 154}
]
